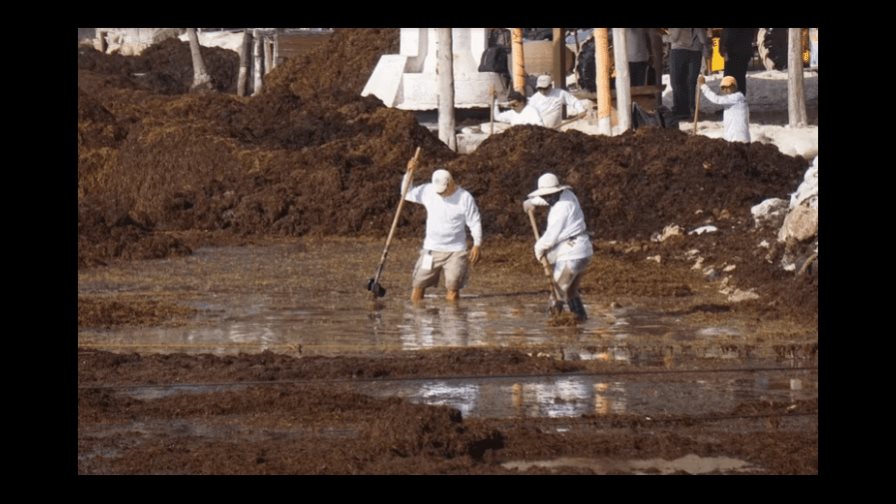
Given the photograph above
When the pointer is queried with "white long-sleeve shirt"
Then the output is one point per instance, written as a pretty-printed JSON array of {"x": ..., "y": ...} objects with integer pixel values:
[
  {"x": 736, "y": 117},
  {"x": 446, "y": 218},
  {"x": 550, "y": 106},
  {"x": 528, "y": 116},
  {"x": 565, "y": 237}
]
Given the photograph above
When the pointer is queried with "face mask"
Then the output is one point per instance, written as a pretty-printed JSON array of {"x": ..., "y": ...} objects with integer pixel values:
[{"x": 552, "y": 198}]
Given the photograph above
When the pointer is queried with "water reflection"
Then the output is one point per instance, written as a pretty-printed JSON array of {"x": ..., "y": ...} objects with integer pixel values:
[
  {"x": 443, "y": 326},
  {"x": 504, "y": 397},
  {"x": 245, "y": 303}
]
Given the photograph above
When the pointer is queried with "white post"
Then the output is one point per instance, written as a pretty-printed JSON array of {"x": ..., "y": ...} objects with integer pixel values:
[
  {"x": 258, "y": 62},
  {"x": 445, "y": 70},
  {"x": 796, "y": 101},
  {"x": 201, "y": 78},
  {"x": 243, "y": 76},
  {"x": 623, "y": 82},
  {"x": 268, "y": 54},
  {"x": 276, "y": 47}
]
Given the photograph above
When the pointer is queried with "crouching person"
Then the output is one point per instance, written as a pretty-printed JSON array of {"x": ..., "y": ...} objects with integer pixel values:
[{"x": 566, "y": 242}]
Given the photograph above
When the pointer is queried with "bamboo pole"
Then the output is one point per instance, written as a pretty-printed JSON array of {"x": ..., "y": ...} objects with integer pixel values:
[
  {"x": 602, "y": 74},
  {"x": 519, "y": 66},
  {"x": 446, "y": 89}
]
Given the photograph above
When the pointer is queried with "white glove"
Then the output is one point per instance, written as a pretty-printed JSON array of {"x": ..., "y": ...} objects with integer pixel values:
[{"x": 528, "y": 206}]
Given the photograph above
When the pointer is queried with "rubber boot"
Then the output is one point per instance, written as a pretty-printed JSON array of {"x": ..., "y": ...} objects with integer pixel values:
[
  {"x": 556, "y": 308},
  {"x": 576, "y": 306}
]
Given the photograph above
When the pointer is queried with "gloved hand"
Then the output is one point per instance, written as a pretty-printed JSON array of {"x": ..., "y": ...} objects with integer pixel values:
[
  {"x": 528, "y": 206},
  {"x": 539, "y": 254},
  {"x": 701, "y": 80}
]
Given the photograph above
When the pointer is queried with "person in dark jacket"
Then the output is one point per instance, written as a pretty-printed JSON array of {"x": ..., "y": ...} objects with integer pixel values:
[
  {"x": 736, "y": 46},
  {"x": 689, "y": 47}
]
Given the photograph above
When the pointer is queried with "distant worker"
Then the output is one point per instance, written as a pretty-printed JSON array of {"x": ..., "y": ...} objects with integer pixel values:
[
  {"x": 519, "y": 112},
  {"x": 448, "y": 209},
  {"x": 689, "y": 47},
  {"x": 566, "y": 242},
  {"x": 549, "y": 101},
  {"x": 637, "y": 46},
  {"x": 736, "y": 46},
  {"x": 736, "y": 117}
]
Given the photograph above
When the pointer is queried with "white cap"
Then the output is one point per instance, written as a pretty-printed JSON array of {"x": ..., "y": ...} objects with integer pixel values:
[
  {"x": 548, "y": 184},
  {"x": 440, "y": 180},
  {"x": 544, "y": 81}
]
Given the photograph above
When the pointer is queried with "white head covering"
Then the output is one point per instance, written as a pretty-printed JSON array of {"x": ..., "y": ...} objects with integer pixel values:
[
  {"x": 548, "y": 184},
  {"x": 440, "y": 180}
]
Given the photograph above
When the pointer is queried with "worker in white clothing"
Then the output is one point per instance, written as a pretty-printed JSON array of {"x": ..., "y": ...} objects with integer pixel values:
[
  {"x": 549, "y": 101},
  {"x": 566, "y": 242},
  {"x": 736, "y": 117},
  {"x": 449, "y": 208},
  {"x": 519, "y": 113}
]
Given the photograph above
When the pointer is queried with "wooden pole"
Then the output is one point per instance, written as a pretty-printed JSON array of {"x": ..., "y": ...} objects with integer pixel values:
[
  {"x": 558, "y": 67},
  {"x": 796, "y": 101},
  {"x": 575, "y": 72},
  {"x": 623, "y": 82},
  {"x": 602, "y": 74},
  {"x": 244, "y": 64},
  {"x": 258, "y": 62},
  {"x": 519, "y": 67},
  {"x": 445, "y": 70},
  {"x": 268, "y": 54}
]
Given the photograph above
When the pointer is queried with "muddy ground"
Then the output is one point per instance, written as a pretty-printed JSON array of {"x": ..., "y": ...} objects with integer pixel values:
[{"x": 162, "y": 174}]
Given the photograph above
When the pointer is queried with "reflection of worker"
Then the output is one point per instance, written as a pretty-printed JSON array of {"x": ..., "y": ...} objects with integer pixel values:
[
  {"x": 448, "y": 209},
  {"x": 638, "y": 48},
  {"x": 566, "y": 242},
  {"x": 736, "y": 46},
  {"x": 813, "y": 47},
  {"x": 549, "y": 101},
  {"x": 737, "y": 114},
  {"x": 519, "y": 112},
  {"x": 688, "y": 45}
]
